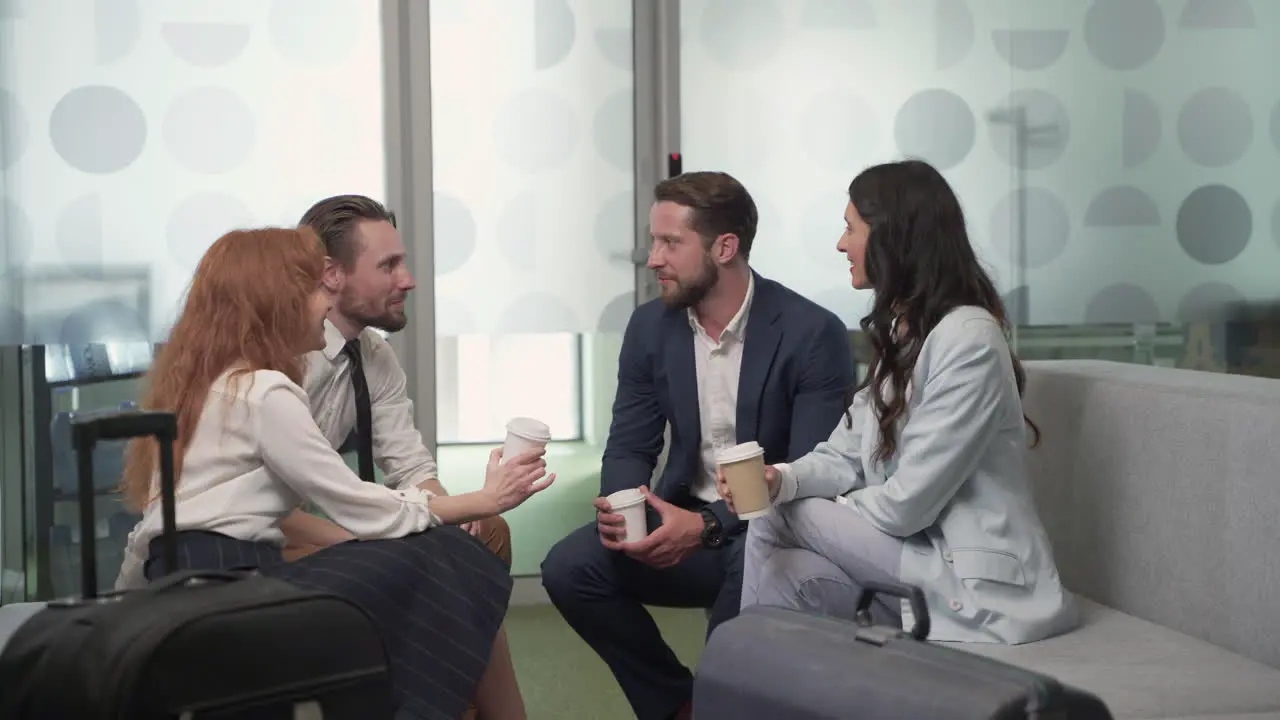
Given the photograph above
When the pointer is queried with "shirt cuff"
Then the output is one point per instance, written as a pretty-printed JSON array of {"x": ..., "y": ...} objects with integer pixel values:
[
  {"x": 413, "y": 493},
  {"x": 787, "y": 484}
]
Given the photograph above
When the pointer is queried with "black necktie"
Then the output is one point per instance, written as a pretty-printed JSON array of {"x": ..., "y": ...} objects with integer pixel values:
[{"x": 364, "y": 410}]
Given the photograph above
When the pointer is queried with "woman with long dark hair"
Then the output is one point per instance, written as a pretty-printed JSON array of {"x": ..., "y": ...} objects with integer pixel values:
[
  {"x": 249, "y": 453},
  {"x": 924, "y": 482}
]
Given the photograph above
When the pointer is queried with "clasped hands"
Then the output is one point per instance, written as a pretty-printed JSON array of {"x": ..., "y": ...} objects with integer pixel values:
[{"x": 677, "y": 537}]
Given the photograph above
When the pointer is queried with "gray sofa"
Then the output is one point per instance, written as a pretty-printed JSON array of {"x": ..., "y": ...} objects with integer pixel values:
[{"x": 1161, "y": 492}]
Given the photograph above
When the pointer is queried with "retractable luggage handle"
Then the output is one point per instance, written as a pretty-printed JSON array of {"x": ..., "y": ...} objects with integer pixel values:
[
  {"x": 87, "y": 430},
  {"x": 912, "y": 594}
]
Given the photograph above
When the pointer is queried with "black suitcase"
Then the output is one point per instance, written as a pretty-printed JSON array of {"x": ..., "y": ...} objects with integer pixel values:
[
  {"x": 781, "y": 664},
  {"x": 191, "y": 645}
]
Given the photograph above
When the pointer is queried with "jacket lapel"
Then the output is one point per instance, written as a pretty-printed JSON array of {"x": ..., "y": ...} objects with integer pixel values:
[
  {"x": 682, "y": 376},
  {"x": 764, "y": 334}
]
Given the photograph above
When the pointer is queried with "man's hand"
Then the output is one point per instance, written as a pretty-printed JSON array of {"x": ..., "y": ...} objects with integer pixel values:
[
  {"x": 679, "y": 536},
  {"x": 611, "y": 525}
]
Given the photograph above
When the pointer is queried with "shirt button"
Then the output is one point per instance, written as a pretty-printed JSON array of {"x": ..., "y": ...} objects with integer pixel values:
[{"x": 956, "y": 605}]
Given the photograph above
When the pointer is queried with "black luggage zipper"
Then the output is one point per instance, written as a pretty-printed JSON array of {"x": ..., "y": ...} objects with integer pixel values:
[{"x": 295, "y": 692}]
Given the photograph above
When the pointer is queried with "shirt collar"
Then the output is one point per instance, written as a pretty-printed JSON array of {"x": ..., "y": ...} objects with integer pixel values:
[
  {"x": 333, "y": 341},
  {"x": 737, "y": 326}
]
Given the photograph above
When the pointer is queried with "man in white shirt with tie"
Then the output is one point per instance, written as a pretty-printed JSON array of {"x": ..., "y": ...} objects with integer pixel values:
[{"x": 356, "y": 385}]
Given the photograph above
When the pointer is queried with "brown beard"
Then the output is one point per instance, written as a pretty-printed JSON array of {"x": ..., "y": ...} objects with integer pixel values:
[
  {"x": 689, "y": 294},
  {"x": 368, "y": 316}
]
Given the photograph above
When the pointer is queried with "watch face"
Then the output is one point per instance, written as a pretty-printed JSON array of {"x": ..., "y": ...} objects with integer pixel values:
[{"x": 711, "y": 535}]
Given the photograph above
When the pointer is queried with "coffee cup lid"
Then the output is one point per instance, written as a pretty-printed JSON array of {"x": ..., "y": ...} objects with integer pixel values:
[
  {"x": 745, "y": 451},
  {"x": 529, "y": 429},
  {"x": 625, "y": 498}
]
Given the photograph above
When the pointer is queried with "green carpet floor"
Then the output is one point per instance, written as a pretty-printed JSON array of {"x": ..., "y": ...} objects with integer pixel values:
[{"x": 562, "y": 679}]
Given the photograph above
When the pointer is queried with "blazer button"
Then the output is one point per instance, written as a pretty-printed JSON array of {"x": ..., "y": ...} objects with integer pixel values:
[{"x": 956, "y": 605}]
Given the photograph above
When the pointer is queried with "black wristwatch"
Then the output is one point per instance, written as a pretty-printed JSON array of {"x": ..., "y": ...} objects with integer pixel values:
[{"x": 713, "y": 533}]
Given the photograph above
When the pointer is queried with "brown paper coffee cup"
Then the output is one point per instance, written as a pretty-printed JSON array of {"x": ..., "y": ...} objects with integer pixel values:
[{"x": 743, "y": 468}]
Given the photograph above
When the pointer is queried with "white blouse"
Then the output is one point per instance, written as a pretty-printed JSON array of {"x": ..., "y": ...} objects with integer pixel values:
[{"x": 256, "y": 455}]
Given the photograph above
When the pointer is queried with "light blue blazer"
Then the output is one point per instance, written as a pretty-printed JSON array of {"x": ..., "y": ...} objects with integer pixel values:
[{"x": 956, "y": 490}]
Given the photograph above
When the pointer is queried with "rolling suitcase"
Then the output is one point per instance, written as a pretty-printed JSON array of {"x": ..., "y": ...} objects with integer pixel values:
[
  {"x": 781, "y": 664},
  {"x": 192, "y": 645}
]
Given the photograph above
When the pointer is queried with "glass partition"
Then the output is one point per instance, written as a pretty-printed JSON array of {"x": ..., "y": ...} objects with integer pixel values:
[
  {"x": 534, "y": 200},
  {"x": 1116, "y": 160},
  {"x": 132, "y": 135}
]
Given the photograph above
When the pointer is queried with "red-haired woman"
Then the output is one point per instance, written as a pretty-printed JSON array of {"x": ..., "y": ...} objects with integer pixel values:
[{"x": 249, "y": 453}]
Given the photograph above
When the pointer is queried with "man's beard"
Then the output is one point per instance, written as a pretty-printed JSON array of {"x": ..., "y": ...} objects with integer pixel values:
[
  {"x": 687, "y": 295},
  {"x": 386, "y": 320}
]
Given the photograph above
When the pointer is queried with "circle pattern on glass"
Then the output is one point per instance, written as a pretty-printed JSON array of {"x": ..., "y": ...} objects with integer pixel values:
[
  {"x": 554, "y": 32},
  {"x": 97, "y": 129},
  {"x": 198, "y": 220},
  {"x": 1214, "y": 224},
  {"x": 1045, "y": 133},
  {"x": 1215, "y": 127},
  {"x": 1209, "y": 302},
  {"x": 937, "y": 126},
  {"x": 455, "y": 233},
  {"x": 841, "y": 130},
  {"x": 612, "y": 130},
  {"x": 1121, "y": 303},
  {"x": 536, "y": 130},
  {"x": 742, "y": 33},
  {"x": 1124, "y": 34},
  {"x": 210, "y": 130},
  {"x": 315, "y": 33},
  {"x": 1048, "y": 228}
]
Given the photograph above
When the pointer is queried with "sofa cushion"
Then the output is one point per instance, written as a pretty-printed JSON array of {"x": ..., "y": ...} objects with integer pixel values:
[
  {"x": 1159, "y": 488},
  {"x": 1143, "y": 670}
]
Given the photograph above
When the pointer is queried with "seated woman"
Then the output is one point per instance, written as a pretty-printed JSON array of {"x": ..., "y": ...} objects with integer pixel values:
[
  {"x": 249, "y": 453},
  {"x": 924, "y": 481}
]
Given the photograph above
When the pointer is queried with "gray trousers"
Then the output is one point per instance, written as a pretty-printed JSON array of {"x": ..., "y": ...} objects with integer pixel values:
[{"x": 813, "y": 554}]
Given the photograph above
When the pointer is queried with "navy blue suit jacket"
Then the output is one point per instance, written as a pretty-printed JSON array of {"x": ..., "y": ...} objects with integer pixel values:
[{"x": 796, "y": 368}]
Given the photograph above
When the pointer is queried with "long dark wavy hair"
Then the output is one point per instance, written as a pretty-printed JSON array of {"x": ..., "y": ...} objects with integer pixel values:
[{"x": 921, "y": 266}]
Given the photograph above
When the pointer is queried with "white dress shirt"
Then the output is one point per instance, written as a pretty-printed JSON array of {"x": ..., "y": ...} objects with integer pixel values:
[
  {"x": 397, "y": 444},
  {"x": 719, "y": 365},
  {"x": 256, "y": 456}
]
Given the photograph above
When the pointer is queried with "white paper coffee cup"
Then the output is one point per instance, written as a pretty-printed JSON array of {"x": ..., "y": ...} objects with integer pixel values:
[
  {"x": 524, "y": 434},
  {"x": 630, "y": 505},
  {"x": 743, "y": 467}
]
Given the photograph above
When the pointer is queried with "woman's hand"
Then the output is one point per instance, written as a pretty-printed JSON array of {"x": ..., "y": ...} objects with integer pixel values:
[
  {"x": 772, "y": 479},
  {"x": 507, "y": 485}
]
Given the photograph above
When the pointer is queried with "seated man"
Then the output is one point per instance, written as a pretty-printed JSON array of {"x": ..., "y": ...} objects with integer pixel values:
[
  {"x": 356, "y": 384},
  {"x": 725, "y": 357}
]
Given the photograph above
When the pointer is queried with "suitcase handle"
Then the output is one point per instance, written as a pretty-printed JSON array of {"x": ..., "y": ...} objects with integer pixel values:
[
  {"x": 912, "y": 594},
  {"x": 87, "y": 430}
]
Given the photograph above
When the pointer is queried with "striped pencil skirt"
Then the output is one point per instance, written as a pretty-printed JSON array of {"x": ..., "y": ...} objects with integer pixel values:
[{"x": 438, "y": 598}]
